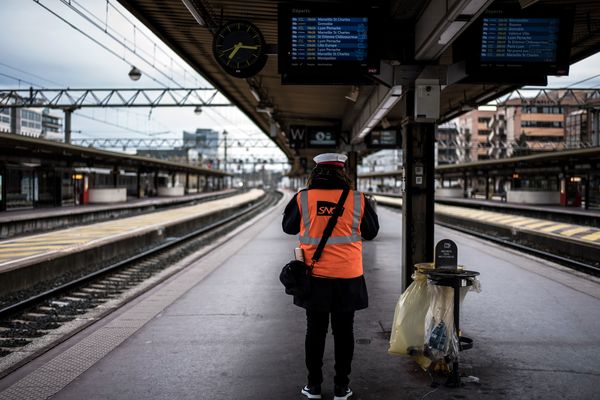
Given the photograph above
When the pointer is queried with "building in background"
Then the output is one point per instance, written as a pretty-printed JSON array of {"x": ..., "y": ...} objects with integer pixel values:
[
  {"x": 199, "y": 148},
  {"x": 447, "y": 144},
  {"x": 31, "y": 122},
  {"x": 475, "y": 129},
  {"x": 206, "y": 143},
  {"x": 52, "y": 126},
  {"x": 552, "y": 120}
]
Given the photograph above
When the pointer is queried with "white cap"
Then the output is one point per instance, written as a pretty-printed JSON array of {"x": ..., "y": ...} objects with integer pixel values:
[{"x": 335, "y": 159}]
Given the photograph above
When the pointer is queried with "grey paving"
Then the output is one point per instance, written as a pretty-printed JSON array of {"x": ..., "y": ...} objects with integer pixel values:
[{"x": 235, "y": 335}]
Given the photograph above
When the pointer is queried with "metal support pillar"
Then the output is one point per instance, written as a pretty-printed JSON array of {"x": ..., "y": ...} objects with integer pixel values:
[
  {"x": 115, "y": 176},
  {"x": 187, "y": 183},
  {"x": 418, "y": 199},
  {"x": 3, "y": 184},
  {"x": 586, "y": 194},
  {"x": 487, "y": 187},
  {"x": 352, "y": 168},
  {"x": 156, "y": 183},
  {"x": 138, "y": 181},
  {"x": 68, "y": 114}
]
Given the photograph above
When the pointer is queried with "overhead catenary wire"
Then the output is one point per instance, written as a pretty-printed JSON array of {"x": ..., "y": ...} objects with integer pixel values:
[
  {"x": 118, "y": 55},
  {"x": 96, "y": 41},
  {"x": 137, "y": 53},
  {"x": 31, "y": 74},
  {"x": 103, "y": 25}
]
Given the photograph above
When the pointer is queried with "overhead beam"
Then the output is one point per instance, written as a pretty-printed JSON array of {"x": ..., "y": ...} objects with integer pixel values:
[{"x": 101, "y": 98}]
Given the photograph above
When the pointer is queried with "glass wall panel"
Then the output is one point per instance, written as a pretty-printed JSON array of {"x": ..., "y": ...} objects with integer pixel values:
[{"x": 19, "y": 188}]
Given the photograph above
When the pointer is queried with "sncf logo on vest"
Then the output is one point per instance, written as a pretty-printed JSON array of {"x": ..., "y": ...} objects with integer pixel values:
[{"x": 326, "y": 208}]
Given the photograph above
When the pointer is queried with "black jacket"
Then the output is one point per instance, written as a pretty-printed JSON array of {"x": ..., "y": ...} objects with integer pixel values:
[{"x": 333, "y": 294}]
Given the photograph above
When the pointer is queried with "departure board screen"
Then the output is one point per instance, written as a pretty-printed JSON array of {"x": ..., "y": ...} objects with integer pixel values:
[
  {"x": 321, "y": 41},
  {"x": 521, "y": 40},
  {"x": 514, "y": 46},
  {"x": 326, "y": 43}
]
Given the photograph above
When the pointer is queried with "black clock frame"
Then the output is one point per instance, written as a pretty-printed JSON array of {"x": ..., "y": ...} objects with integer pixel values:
[{"x": 233, "y": 29}]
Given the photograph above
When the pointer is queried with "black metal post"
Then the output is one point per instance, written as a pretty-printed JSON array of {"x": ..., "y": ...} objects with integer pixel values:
[{"x": 418, "y": 198}]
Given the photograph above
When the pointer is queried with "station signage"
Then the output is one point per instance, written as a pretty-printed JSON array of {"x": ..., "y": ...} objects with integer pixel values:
[
  {"x": 446, "y": 254},
  {"x": 384, "y": 139},
  {"x": 303, "y": 136}
]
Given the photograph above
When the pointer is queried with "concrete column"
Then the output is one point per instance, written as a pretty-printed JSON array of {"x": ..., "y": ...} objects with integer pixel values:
[
  {"x": 187, "y": 183},
  {"x": 418, "y": 199}
]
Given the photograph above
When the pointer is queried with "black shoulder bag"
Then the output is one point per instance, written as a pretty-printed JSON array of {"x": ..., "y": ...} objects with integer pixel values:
[{"x": 295, "y": 275}]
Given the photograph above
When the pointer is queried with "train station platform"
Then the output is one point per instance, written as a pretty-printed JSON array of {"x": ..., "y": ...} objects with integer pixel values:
[
  {"x": 28, "y": 221},
  {"x": 577, "y": 215},
  {"x": 224, "y": 329}
]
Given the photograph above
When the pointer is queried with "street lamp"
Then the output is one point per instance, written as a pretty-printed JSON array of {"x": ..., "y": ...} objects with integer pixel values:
[{"x": 135, "y": 74}]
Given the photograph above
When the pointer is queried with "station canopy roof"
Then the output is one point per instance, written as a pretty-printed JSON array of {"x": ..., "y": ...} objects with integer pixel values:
[{"x": 420, "y": 39}]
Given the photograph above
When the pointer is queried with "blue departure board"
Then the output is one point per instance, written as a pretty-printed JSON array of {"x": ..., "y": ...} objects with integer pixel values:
[
  {"x": 321, "y": 41},
  {"x": 519, "y": 40}
]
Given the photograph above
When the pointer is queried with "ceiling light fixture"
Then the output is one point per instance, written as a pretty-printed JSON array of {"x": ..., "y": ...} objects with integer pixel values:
[
  {"x": 192, "y": 9},
  {"x": 353, "y": 94},
  {"x": 377, "y": 107}
]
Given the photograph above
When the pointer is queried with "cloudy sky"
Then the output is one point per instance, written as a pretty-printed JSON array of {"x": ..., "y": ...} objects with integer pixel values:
[
  {"x": 41, "y": 49},
  {"x": 41, "y": 45}
]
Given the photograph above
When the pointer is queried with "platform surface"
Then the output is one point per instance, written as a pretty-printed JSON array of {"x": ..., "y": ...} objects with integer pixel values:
[
  {"x": 233, "y": 334},
  {"x": 26, "y": 249},
  {"x": 577, "y": 233}
]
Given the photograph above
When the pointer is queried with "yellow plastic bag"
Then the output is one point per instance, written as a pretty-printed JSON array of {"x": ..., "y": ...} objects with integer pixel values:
[{"x": 408, "y": 328}]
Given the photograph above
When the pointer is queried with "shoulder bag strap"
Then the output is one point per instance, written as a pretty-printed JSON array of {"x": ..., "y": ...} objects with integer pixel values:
[{"x": 330, "y": 225}]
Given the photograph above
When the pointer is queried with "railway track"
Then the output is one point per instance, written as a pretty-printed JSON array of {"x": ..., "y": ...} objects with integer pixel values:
[
  {"x": 529, "y": 249},
  {"x": 561, "y": 251},
  {"x": 23, "y": 325}
]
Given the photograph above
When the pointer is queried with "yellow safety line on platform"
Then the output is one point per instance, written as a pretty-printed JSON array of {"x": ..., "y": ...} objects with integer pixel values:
[
  {"x": 73, "y": 238},
  {"x": 525, "y": 221},
  {"x": 574, "y": 231},
  {"x": 592, "y": 237},
  {"x": 539, "y": 224},
  {"x": 556, "y": 227}
]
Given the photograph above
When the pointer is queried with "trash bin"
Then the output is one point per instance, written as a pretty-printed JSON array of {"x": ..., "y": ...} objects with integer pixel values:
[{"x": 443, "y": 341}]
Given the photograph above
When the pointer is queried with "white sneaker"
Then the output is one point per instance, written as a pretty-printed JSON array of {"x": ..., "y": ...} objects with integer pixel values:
[
  {"x": 311, "y": 392},
  {"x": 342, "y": 393}
]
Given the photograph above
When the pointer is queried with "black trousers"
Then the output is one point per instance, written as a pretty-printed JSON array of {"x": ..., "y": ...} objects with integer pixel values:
[{"x": 342, "y": 327}]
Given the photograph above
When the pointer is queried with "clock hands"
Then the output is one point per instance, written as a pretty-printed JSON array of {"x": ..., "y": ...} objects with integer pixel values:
[{"x": 239, "y": 46}]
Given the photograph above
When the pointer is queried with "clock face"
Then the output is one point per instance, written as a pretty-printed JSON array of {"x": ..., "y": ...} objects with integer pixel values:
[{"x": 239, "y": 47}]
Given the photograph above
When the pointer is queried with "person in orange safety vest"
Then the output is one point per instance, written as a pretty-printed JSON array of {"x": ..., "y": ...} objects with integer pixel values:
[{"x": 337, "y": 284}]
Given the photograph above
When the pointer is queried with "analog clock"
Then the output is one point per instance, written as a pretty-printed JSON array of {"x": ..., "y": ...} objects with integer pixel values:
[{"x": 239, "y": 47}]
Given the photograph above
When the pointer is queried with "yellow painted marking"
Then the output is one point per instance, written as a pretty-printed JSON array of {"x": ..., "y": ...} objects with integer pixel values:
[
  {"x": 497, "y": 218},
  {"x": 74, "y": 237},
  {"x": 14, "y": 254},
  {"x": 525, "y": 221},
  {"x": 508, "y": 220},
  {"x": 592, "y": 237},
  {"x": 575, "y": 231},
  {"x": 555, "y": 227},
  {"x": 538, "y": 224},
  {"x": 27, "y": 247}
]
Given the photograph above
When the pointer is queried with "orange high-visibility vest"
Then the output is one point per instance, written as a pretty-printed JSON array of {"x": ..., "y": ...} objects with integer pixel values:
[{"x": 342, "y": 255}]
